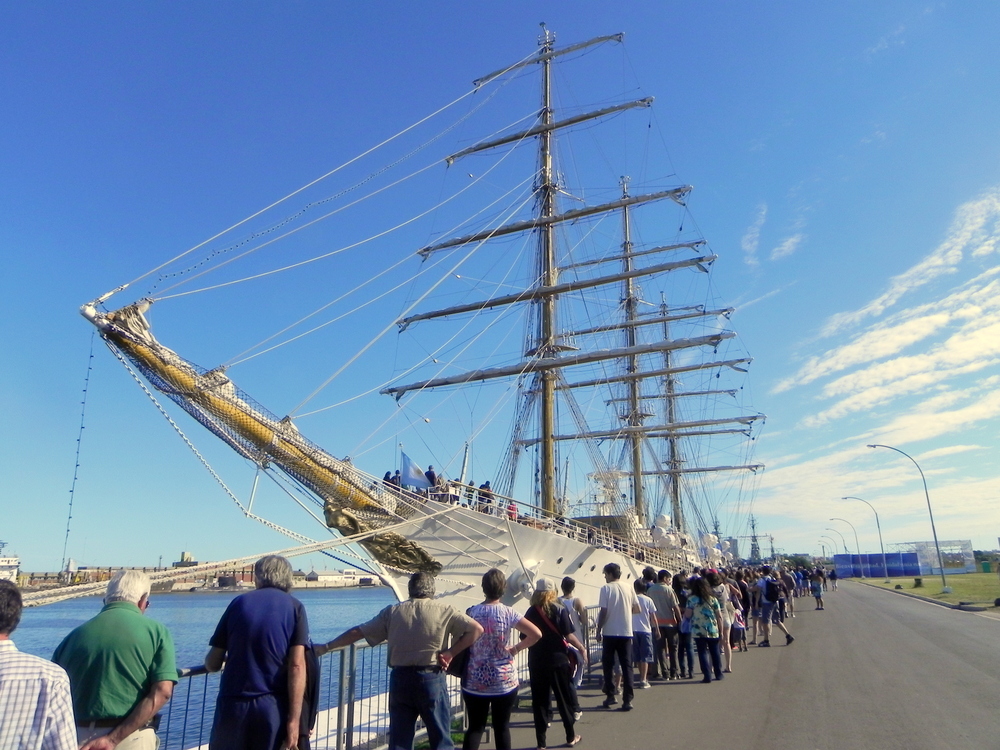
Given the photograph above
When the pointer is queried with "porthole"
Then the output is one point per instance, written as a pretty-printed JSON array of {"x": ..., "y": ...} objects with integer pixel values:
[{"x": 559, "y": 561}]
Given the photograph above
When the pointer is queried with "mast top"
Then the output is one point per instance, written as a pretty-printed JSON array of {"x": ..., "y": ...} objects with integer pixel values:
[{"x": 545, "y": 42}]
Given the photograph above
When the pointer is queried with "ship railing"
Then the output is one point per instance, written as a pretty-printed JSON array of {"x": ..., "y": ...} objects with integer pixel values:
[
  {"x": 353, "y": 700},
  {"x": 405, "y": 502}
]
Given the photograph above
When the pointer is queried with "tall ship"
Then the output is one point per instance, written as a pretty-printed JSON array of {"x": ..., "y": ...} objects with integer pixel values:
[{"x": 567, "y": 307}]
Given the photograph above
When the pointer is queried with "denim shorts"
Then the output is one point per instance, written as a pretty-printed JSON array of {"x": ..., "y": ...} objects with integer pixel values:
[{"x": 642, "y": 648}]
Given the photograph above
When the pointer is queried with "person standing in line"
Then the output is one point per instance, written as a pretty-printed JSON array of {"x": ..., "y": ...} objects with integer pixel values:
[
  {"x": 816, "y": 587},
  {"x": 261, "y": 639},
  {"x": 548, "y": 663},
  {"x": 581, "y": 626},
  {"x": 756, "y": 600},
  {"x": 489, "y": 686},
  {"x": 706, "y": 627},
  {"x": 416, "y": 631},
  {"x": 668, "y": 619},
  {"x": 121, "y": 669},
  {"x": 36, "y": 707},
  {"x": 614, "y": 630},
  {"x": 644, "y": 632},
  {"x": 685, "y": 649},
  {"x": 721, "y": 590},
  {"x": 769, "y": 592},
  {"x": 576, "y": 608}
]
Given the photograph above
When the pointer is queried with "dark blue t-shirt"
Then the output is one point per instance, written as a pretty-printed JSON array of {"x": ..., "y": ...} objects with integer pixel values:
[{"x": 257, "y": 630}]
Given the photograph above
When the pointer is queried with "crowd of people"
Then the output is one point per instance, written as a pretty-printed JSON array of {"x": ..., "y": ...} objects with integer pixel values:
[
  {"x": 111, "y": 675},
  {"x": 709, "y": 612}
]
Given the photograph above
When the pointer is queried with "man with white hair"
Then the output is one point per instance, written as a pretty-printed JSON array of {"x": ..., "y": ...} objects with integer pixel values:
[{"x": 121, "y": 669}]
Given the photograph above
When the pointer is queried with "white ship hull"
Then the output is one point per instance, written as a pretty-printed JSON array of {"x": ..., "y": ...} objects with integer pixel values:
[
  {"x": 467, "y": 543},
  {"x": 9, "y": 568}
]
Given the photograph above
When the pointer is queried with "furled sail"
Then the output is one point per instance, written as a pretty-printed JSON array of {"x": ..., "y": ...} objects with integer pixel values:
[{"x": 351, "y": 504}]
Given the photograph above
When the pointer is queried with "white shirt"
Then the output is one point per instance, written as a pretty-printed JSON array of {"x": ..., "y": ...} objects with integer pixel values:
[
  {"x": 643, "y": 622},
  {"x": 36, "y": 709},
  {"x": 619, "y": 601}
]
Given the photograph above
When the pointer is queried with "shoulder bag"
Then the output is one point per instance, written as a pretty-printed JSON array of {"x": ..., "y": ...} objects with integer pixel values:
[{"x": 572, "y": 652}]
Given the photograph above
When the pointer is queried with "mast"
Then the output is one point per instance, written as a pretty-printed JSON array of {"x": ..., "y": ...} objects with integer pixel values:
[
  {"x": 673, "y": 455},
  {"x": 549, "y": 276},
  {"x": 634, "y": 416},
  {"x": 548, "y": 355}
]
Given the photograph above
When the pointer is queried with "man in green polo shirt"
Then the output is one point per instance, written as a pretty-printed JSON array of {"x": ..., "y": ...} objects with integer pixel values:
[{"x": 121, "y": 669}]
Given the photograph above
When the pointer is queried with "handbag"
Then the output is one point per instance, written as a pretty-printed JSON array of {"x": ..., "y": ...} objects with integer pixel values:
[
  {"x": 572, "y": 652},
  {"x": 459, "y": 664}
]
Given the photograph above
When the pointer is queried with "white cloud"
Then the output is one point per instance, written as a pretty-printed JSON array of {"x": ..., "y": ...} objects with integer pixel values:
[
  {"x": 893, "y": 39},
  {"x": 974, "y": 229},
  {"x": 949, "y": 450},
  {"x": 787, "y": 247},
  {"x": 877, "y": 136},
  {"x": 751, "y": 237},
  {"x": 744, "y": 305},
  {"x": 917, "y": 372}
]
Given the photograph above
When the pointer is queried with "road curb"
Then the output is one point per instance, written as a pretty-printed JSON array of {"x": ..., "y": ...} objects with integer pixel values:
[{"x": 946, "y": 605}]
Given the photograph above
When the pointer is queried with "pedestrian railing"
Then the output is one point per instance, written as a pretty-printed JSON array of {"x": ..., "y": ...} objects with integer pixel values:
[{"x": 353, "y": 700}]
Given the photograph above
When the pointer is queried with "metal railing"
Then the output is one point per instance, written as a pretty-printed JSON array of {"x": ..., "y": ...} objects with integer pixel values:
[{"x": 353, "y": 699}]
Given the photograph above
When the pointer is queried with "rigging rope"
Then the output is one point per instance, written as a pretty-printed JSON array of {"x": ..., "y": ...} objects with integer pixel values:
[
  {"x": 353, "y": 290},
  {"x": 79, "y": 444},
  {"x": 392, "y": 325},
  {"x": 334, "y": 171},
  {"x": 309, "y": 185}
]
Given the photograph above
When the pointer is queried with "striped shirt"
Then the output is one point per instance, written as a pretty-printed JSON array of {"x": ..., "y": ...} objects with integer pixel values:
[{"x": 36, "y": 710}]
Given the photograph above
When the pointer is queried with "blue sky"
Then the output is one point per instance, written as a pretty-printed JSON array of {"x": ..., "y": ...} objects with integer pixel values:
[{"x": 846, "y": 162}]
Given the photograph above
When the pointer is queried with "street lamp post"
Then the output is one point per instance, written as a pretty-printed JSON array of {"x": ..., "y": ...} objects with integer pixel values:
[
  {"x": 842, "y": 539},
  {"x": 885, "y": 565},
  {"x": 857, "y": 544},
  {"x": 833, "y": 547},
  {"x": 946, "y": 589}
]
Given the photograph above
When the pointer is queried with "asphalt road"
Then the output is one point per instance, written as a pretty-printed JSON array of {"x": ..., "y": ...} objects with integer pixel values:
[{"x": 874, "y": 670}]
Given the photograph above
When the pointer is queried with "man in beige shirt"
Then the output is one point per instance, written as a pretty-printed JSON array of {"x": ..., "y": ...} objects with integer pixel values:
[{"x": 417, "y": 632}]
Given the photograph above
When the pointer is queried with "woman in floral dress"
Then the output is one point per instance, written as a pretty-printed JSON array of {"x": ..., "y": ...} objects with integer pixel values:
[{"x": 706, "y": 627}]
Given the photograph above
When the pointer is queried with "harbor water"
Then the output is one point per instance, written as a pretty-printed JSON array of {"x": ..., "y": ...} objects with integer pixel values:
[{"x": 192, "y": 617}]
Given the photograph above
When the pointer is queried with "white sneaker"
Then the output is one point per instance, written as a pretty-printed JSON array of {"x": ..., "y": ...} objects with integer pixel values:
[
  {"x": 643, "y": 685},
  {"x": 577, "y": 716}
]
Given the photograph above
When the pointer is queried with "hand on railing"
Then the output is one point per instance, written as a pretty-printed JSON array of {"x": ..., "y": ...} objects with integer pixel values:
[{"x": 192, "y": 671}]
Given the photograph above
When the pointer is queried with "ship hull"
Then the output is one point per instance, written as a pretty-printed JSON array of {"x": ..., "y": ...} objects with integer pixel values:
[{"x": 467, "y": 543}]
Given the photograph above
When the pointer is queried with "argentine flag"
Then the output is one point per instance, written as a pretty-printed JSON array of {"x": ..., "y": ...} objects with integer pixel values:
[{"x": 413, "y": 475}]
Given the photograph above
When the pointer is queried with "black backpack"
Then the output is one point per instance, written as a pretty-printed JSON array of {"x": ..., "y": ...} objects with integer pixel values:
[{"x": 772, "y": 592}]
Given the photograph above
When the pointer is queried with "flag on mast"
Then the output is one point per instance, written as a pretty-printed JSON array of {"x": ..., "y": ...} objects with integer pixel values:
[{"x": 413, "y": 475}]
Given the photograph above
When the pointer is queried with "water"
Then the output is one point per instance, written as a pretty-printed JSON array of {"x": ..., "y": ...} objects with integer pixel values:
[{"x": 192, "y": 617}]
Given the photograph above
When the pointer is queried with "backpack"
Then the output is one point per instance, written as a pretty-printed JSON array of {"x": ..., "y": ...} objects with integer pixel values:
[{"x": 771, "y": 591}]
